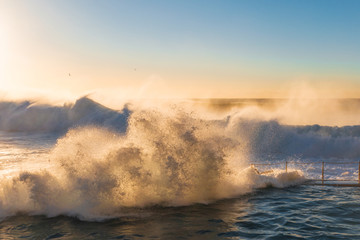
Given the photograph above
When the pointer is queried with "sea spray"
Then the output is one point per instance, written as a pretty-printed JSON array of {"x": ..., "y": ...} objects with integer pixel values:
[{"x": 163, "y": 159}]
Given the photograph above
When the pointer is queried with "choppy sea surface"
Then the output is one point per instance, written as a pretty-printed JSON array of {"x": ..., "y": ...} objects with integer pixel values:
[
  {"x": 84, "y": 171},
  {"x": 301, "y": 212}
]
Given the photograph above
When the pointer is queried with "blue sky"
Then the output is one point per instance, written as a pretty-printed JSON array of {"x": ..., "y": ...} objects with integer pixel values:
[{"x": 219, "y": 48}]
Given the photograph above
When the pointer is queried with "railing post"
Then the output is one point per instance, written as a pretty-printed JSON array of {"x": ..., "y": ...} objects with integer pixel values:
[
  {"x": 322, "y": 173},
  {"x": 287, "y": 163},
  {"x": 359, "y": 173}
]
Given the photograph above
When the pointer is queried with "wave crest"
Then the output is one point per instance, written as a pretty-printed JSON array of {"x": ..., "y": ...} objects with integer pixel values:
[{"x": 27, "y": 117}]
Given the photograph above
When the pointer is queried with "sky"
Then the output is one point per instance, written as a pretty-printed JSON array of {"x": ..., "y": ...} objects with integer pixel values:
[{"x": 176, "y": 49}]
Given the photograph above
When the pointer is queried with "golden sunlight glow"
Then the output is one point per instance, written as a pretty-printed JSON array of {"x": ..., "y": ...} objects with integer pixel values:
[
  {"x": 3, "y": 56},
  {"x": 34, "y": 63}
]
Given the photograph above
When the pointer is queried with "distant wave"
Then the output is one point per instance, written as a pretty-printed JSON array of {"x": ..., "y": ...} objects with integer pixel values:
[
  {"x": 27, "y": 117},
  {"x": 265, "y": 138}
]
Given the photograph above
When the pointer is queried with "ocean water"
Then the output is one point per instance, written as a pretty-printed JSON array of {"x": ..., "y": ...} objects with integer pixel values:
[{"x": 178, "y": 171}]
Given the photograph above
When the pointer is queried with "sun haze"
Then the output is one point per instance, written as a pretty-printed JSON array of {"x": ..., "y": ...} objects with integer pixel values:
[{"x": 167, "y": 49}]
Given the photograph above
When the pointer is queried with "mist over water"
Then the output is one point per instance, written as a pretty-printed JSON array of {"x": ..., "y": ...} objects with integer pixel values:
[{"x": 296, "y": 110}]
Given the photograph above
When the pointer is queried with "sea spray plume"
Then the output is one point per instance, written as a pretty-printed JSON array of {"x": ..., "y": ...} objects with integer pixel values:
[
  {"x": 29, "y": 117},
  {"x": 163, "y": 159},
  {"x": 160, "y": 161}
]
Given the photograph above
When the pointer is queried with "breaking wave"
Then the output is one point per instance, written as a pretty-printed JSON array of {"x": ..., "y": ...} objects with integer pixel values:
[
  {"x": 111, "y": 161},
  {"x": 265, "y": 138},
  {"x": 96, "y": 173},
  {"x": 28, "y": 117}
]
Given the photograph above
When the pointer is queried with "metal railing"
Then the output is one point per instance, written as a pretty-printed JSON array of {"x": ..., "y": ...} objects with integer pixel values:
[{"x": 323, "y": 180}]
